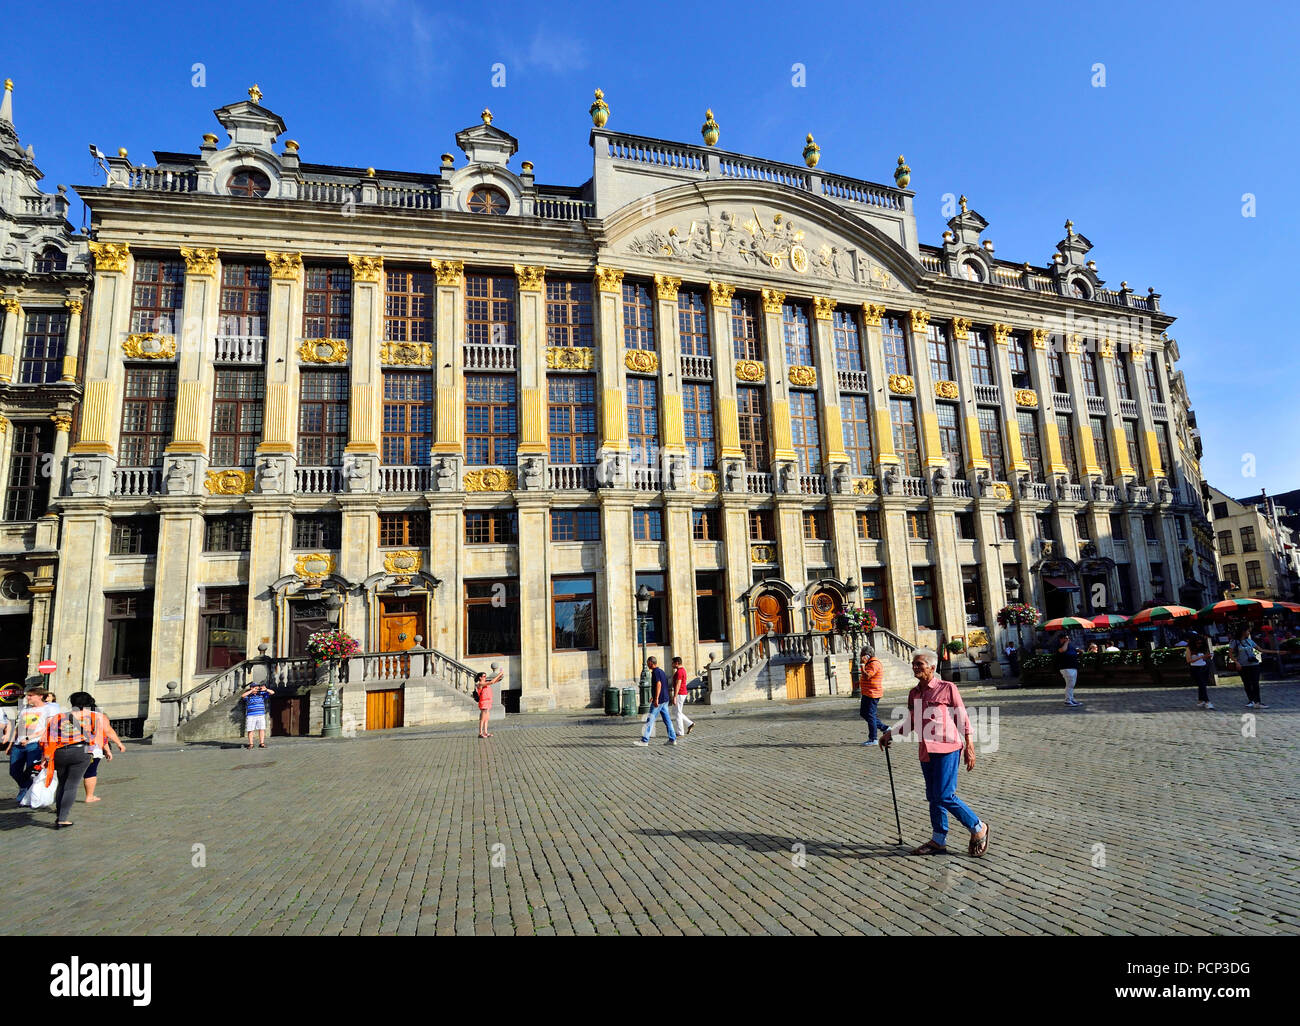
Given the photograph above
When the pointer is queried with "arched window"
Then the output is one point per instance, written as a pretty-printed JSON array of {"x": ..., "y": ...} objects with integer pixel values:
[
  {"x": 51, "y": 259},
  {"x": 486, "y": 200},
  {"x": 1079, "y": 288},
  {"x": 247, "y": 182},
  {"x": 972, "y": 271}
]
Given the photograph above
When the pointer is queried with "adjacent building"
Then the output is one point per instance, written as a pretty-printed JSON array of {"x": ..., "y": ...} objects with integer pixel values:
[
  {"x": 1257, "y": 547},
  {"x": 481, "y": 412},
  {"x": 44, "y": 287}
]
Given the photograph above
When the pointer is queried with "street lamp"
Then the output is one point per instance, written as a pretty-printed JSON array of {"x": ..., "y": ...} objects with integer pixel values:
[
  {"x": 643, "y": 595},
  {"x": 1013, "y": 596},
  {"x": 333, "y": 706}
]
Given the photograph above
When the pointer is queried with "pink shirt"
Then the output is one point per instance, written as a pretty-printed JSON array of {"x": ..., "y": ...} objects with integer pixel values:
[{"x": 936, "y": 709}]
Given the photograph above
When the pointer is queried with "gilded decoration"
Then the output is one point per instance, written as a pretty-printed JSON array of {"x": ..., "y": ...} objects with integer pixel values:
[
  {"x": 666, "y": 285},
  {"x": 200, "y": 261},
  {"x": 1106, "y": 349},
  {"x": 976, "y": 639},
  {"x": 323, "y": 350},
  {"x": 12, "y": 306},
  {"x": 1137, "y": 351},
  {"x": 74, "y": 306},
  {"x": 772, "y": 300},
  {"x": 1001, "y": 334},
  {"x": 491, "y": 479},
  {"x": 1074, "y": 345},
  {"x": 1039, "y": 337},
  {"x": 406, "y": 354},
  {"x": 752, "y": 241},
  {"x": 109, "y": 256},
  {"x": 62, "y": 422},
  {"x": 750, "y": 370},
  {"x": 404, "y": 563},
  {"x": 945, "y": 389},
  {"x": 366, "y": 268},
  {"x": 314, "y": 567},
  {"x": 641, "y": 361},
  {"x": 228, "y": 482},
  {"x": 823, "y": 308},
  {"x": 720, "y": 294},
  {"x": 706, "y": 482},
  {"x": 599, "y": 110},
  {"x": 532, "y": 278},
  {"x": 149, "y": 346},
  {"x": 961, "y": 328},
  {"x": 570, "y": 358},
  {"x": 872, "y": 313},
  {"x": 762, "y": 553},
  {"x": 805, "y": 377},
  {"x": 449, "y": 272},
  {"x": 920, "y": 321},
  {"x": 901, "y": 384},
  {"x": 284, "y": 266},
  {"x": 1001, "y": 490},
  {"x": 1027, "y": 397},
  {"x": 864, "y": 486},
  {"x": 609, "y": 279}
]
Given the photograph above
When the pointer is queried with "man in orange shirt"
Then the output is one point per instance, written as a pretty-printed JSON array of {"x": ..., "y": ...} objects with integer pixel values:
[{"x": 871, "y": 685}]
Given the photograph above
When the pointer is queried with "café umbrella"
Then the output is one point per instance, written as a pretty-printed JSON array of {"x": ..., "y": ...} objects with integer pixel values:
[
  {"x": 1068, "y": 623},
  {"x": 1235, "y": 607},
  {"x": 1160, "y": 614},
  {"x": 1103, "y": 620}
]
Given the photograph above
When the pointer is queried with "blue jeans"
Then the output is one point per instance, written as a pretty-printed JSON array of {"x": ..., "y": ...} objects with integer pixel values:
[
  {"x": 867, "y": 710},
  {"x": 659, "y": 710},
  {"x": 941, "y": 792},
  {"x": 22, "y": 759}
]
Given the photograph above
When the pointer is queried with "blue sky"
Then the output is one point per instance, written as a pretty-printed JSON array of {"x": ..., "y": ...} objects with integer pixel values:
[{"x": 995, "y": 100}]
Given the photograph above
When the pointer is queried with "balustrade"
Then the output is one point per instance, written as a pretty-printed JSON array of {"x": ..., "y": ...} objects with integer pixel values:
[
  {"x": 317, "y": 480},
  {"x": 405, "y": 479},
  {"x": 239, "y": 349},
  {"x": 137, "y": 480},
  {"x": 490, "y": 357},
  {"x": 571, "y": 476}
]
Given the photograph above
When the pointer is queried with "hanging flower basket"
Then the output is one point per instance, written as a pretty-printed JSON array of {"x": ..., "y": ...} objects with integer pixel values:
[
  {"x": 859, "y": 621},
  {"x": 1019, "y": 614},
  {"x": 331, "y": 644}
]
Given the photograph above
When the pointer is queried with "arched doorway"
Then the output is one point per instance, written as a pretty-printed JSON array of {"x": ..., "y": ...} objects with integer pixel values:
[
  {"x": 771, "y": 611},
  {"x": 825, "y": 605}
]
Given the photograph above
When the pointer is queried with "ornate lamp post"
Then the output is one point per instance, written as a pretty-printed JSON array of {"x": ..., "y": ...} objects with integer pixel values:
[
  {"x": 333, "y": 706},
  {"x": 1013, "y": 596},
  {"x": 643, "y": 595}
]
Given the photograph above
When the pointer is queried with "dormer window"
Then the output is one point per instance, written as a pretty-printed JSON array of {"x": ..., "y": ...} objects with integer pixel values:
[
  {"x": 486, "y": 200},
  {"x": 972, "y": 271},
  {"x": 247, "y": 182},
  {"x": 1079, "y": 288},
  {"x": 52, "y": 259}
]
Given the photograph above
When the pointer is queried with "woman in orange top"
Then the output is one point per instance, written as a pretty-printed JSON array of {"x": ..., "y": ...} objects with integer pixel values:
[
  {"x": 484, "y": 687},
  {"x": 871, "y": 685}
]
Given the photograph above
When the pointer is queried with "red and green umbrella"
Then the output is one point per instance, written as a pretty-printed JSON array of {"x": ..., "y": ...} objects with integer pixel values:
[
  {"x": 1160, "y": 614},
  {"x": 1290, "y": 607},
  {"x": 1229, "y": 608},
  {"x": 1104, "y": 620},
  {"x": 1068, "y": 623}
]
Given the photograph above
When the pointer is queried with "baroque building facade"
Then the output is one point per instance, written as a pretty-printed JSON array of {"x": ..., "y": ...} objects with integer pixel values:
[
  {"x": 484, "y": 412},
  {"x": 44, "y": 285}
]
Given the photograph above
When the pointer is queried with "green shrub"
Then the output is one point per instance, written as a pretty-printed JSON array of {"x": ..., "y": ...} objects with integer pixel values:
[{"x": 1039, "y": 661}]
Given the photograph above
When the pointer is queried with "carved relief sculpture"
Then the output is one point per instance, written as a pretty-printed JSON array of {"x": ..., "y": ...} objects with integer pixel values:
[
  {"x": 368, "y": 269},
  {"x": 570, "y": 358},
  {"x": 406, "y": 354},
  {"x": 323, "y": 350},
  {"x": 284, "y": 266},
  {"x": 945, "y": 389},
  {"x": 901, "y": 384},
  {"x": 148, "y": 346},
  {"x": 228, "y": 482},
  {"x": 200, "y": 261},
  {"x": 109, "y": 256},
  {"x": 641, "y": 360},
  {"x": 803, "y": 376},
  {"x": 750, "y": 370}
]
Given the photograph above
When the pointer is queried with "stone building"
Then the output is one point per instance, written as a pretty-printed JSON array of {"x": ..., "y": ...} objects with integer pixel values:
[
  {"x": 44, "y": 282},
  {"x": 483, "y": 412},
  {"x": 1256, "y": 547}
]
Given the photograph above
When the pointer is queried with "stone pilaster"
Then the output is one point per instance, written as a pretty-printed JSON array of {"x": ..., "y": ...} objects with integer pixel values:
[
  {"x": 447, "y": 539},
  {"x": 828, "y": 386},
  {"x": 535, "y": 638},
  {"x": 101, "y": 402},
  {"x": 927, "y": 418},
  {"x": 269, "y": 559},
  {"x": 365, "y": 406},
  {"x": 607, "y": 320},
  {"x": 1106, "y": 379},
  {"x": 672, "y": 427},
  {"x": 177, "y": 598},
  {"x": 283, "y": 326},
  {"x": 950, "y": 604},
  {"x": 680, "y": 571},
  {"x": 1147, "y": 443},
  {"x": 1071, "y": 349},
  {"x": 11, "y": 339},
  {"x": 62, "y": 433},
  {"x": 959, "y": 351},
  {"x": 735, "y": 536},
  {"x": 1016, "y": 462},
  {"x": 77, "y": 640},
  {"x": 778, "y": 387},
  {"x": 898, "y": 565},
  {"x": 449, "y": 360},
  {"x": 617, "y": 614},
  {"x": 531, "y": 314},
  {"x": 194, "y": 369},
  {"x": 788, "y": 514},
  {"x": 728, "y": 420},
  {"x": 882, "y": 429},
  {"x": 72, "y": 347},
  {"x": 1041, "y": 377}
]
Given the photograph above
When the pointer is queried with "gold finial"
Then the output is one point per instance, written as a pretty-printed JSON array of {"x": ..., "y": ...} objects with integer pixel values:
[
  {"x": 486, "y": 116},
  {"x": 811, "y": 152},
  {"x": 370, "y": 172},
  {"x": 709, "y": 130},
  {"x": 599, "y": 110},
  {"x": 902, "y": 173},
  {"x": 9, "y": 85},
  {"x": 1069, "y": 228},
  {"x": 962, "y": 201},
  {"x": 121, "y": 151},
  {"x": 254, "y": 93}
]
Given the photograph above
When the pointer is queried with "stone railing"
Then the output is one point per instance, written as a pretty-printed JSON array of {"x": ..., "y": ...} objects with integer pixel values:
[
  {"x": 1096, "y": 405},
  {"x": 279, "y": 673},
  {"x": 1159, "y": 411},
  {"x": 327, "y": 192},
  {"x": 239, "y": 349},
  {"x": 960, "y": 488},
  {"x": 739, "y": 665},
  {"x": 1128, "y": 408},
  {"x": 854, "y": 381},
  {"x": 885, "y": 640},
  {"x": 1107, "y": 493},
  {"x": 1139, "y": 494},
  {"x": 758, "y": 483},
  {"x": 861, "y": 192},
  {"x": 153, "y": 179},
  {"x": 562, "y": 208},
  {"x": 137, "y": 480},
  {"x": 732, "y": 165},
  {"x": 408, "y": 197},
  {"x": 636, "y": 150},
  {"x": 1037, "y": 490},
  {"x": 1071, "y": 492},
  {"x": 988, "y": 394},
  {"x": 46, "y": 205},
  {"x": 405, "y": 479},
  {"x": 317, "y": 480},
  {"x": 932, "y": 263},
  {"x": 647, "y": 479},
  {"x": 491, "y": 357},
  {"x": 571, "y": 476},
  {"x": 698, "y": 367},
  {"x": 812, "y": 484},
  {"x": 914, "y": 487},
  {"x": 1063, "y": 401}
]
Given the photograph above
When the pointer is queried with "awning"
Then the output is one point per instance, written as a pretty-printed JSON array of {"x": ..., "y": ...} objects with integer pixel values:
[{"x": 1061, "y": 584}]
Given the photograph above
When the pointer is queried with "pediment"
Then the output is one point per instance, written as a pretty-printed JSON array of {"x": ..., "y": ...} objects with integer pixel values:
[{"x": 721, "y": 231}]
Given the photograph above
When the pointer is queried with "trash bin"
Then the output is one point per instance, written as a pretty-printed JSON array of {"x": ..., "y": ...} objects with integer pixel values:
[
  {"x": 611, "y": 701},
  {"x": 629, "y": 701}
]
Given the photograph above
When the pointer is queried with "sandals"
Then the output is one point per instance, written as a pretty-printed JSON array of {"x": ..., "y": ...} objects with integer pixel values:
[
  {"x": 930, "y": 848},
  {"x": 261, "y": 746},
  {"x": 980, "y": 845}
]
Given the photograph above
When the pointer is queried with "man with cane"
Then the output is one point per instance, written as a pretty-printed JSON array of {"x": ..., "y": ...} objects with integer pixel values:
[{"x": 935, "y": 708}]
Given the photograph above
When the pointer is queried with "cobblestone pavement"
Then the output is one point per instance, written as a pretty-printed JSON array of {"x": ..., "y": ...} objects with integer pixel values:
[{"x": 1138, "y": 814}]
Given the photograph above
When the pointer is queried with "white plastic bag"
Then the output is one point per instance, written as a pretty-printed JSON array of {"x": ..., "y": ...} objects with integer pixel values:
[{"x": 41, "y": 794}]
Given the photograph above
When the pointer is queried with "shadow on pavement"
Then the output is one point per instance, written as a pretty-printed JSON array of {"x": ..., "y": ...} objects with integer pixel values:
[{"x": 776, "y": 844}]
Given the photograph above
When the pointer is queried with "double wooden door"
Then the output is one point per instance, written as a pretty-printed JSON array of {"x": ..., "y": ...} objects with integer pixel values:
[
  {"x": 798, "y": 680},
  {"x": 824, "y": 608},
  {"x": 384, "y": 709},
  {"x": 770, "y": 611}
]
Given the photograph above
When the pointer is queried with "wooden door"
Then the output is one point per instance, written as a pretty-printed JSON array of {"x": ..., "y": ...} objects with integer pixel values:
[
  {"x": 824, "y": 608},
  {"x": 798, "y": 680},
  {"x": 305, "y": 619},
  {"x": 289, "y": 716},
  {"x": 769, "y": 611},
  {"x": 401, "y": 621},
  {"x": 384, "y": 709}
]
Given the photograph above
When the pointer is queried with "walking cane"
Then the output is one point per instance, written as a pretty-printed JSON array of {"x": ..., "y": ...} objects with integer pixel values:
[{"x": 897, "y": 822}]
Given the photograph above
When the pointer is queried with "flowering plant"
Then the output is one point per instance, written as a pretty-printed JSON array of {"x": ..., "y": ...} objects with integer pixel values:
[
  {"x": 1019, "y": 614},
  {"x": 859, "y": 621},
  {"x": 331, "y": 644}
]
